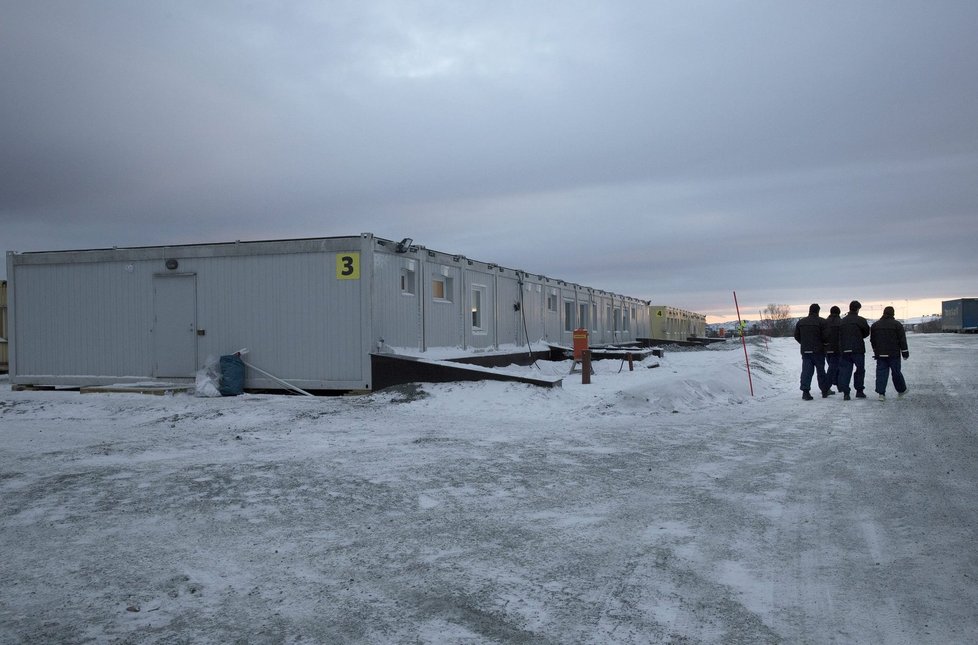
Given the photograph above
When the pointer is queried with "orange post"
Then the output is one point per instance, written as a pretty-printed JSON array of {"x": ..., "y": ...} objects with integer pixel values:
[{"x": 580, "y": 343}]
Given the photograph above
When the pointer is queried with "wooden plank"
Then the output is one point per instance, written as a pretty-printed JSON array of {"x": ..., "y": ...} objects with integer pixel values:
[{"x": 158, "y": 390}]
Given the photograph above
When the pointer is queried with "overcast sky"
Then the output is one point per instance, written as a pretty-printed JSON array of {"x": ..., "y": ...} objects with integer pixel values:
[{"x": 674, "y": 151}]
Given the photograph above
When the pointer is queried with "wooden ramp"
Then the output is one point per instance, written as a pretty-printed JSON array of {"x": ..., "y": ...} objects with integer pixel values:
[
  {"x": 396, "y": 369},
  {"x": 599, "y": 352},
  {"x": 158, "y": 389}
]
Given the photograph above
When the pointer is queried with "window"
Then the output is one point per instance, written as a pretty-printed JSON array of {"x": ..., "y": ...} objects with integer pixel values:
[
  {"x": 626, "y": 319},
  {"x": 594, "y": 316},
  {"x": 617, "y": 319},
  {"x": 552, "y": 301},
  {"x": 407, "y": 282},
  {"x": 478, "y": 307},
  {"x": 441, "y": 288},
  {"x": 568, "y": 315},
  {"x": 582, "y": 315}
]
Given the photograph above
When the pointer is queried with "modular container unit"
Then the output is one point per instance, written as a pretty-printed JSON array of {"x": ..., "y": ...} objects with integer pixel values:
[
  {"x": 671, "y": 323},
  {"x": 124, "y": 315},
  {"x": 959, "y": 315},
  {"x": 310, "y": 311},
  {"x": 3, "y": 325}
]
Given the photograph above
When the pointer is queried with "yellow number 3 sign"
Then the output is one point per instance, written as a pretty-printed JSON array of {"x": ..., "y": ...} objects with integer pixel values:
[{"x": 348, "y": 266}]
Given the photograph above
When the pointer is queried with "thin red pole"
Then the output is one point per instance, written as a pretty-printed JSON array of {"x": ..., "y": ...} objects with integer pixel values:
[{"x": 743, "y": 339}]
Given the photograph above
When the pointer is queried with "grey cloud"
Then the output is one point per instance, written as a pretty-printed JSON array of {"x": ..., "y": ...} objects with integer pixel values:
[{"x": 785, "y": 146}]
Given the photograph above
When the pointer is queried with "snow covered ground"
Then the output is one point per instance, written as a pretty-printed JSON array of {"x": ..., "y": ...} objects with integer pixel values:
[{"x": 656, "y": 505}]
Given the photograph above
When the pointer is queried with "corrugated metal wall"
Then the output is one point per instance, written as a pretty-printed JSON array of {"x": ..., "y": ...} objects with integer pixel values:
[
  {"x": 443, "y": 318},
  {"x": 83, "y": 319},
  {"x": 397, "y": 300},
  {"x": 473, "y": 307},
  {"x": 92, "y": 320},
  {"x": 533, "y": 312},
  {"x": 3, "y": 325},
  {"x": 480, "y": 300},
  {"x": 298, "y": 321},
  {"x": 509, "y": 324},
  {"x": 553, "y": 309}
]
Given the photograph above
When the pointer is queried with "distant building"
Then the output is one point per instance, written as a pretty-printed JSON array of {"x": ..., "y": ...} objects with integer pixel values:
[
  {"x": 960, "y": 315},
  {"x": 671, "y": 323}
]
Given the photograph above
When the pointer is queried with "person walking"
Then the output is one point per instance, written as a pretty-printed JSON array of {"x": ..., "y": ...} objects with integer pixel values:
[
  {"x": 832, "y": 350},
  {"x": 853, "y": 330},
  {"x": 889, "y": 341},
  {"x": 810, "y": 334}
]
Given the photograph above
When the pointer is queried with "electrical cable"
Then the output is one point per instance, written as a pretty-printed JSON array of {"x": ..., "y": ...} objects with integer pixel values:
[{"x": 526, "y": 333}]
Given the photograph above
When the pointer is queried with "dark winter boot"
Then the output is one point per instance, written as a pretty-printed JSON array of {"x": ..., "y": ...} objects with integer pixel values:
[
  {"x": 860, "y": 394},
  {"x": 806, "y": 395},
  {"x": 845, "y": 396}
]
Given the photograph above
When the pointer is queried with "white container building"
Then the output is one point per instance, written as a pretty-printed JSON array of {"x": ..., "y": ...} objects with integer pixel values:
[{"x": 314, "y": 312}]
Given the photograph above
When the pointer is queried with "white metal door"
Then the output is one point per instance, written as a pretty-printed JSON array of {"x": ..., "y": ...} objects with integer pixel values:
[{"x": 175, "y": 327}]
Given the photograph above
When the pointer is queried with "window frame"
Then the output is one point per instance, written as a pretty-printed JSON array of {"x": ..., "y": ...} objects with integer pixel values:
[
  {"x": 569, "y": 314},
  {"x": 447, "y": 286},
  {"x": 408, "y": 282},
  {"x": 477, "y": 308}
]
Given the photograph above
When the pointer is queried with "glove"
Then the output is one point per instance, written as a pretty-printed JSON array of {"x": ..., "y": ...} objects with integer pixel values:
[{"x": 906, "y": 354}]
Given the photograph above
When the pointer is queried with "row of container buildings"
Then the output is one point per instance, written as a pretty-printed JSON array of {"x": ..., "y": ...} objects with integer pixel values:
[{"x": 313, "y": 312}]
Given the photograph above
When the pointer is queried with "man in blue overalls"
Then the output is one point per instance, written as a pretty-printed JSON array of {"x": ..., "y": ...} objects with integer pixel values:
[
  {"x": 810, "y": 334},
  {"x": 853, "y": 331}
]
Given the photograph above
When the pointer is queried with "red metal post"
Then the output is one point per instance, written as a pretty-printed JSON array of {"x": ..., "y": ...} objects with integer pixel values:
[{"x": 743, "y": 339}]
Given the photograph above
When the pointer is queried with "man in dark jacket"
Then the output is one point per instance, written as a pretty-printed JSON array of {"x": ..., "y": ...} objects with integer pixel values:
[
  {"x": 889, "y": 341},
  {"x": 810, "y": 333},
  {"x": 853, "y": 330},
  {"x": 832, "y": 350}
]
